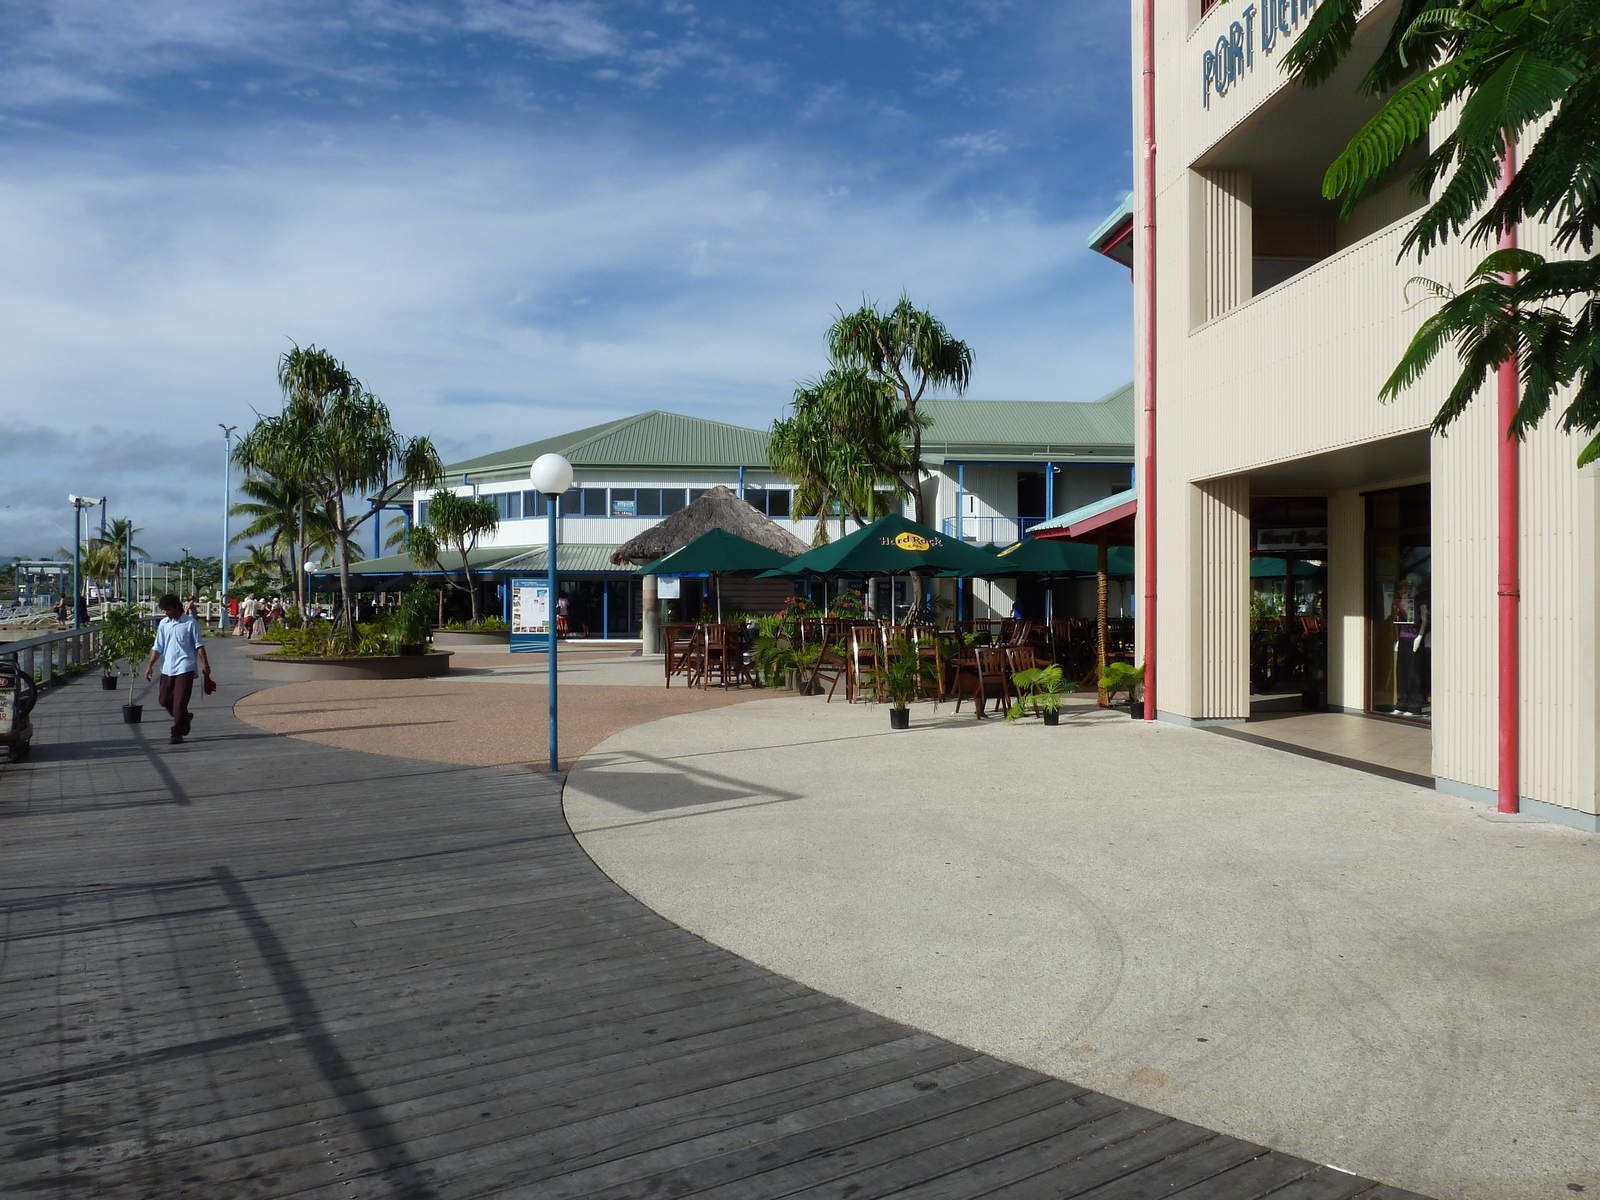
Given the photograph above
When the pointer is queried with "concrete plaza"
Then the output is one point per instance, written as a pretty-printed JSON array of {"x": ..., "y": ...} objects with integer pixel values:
[{"x": 1356, "y": 970}]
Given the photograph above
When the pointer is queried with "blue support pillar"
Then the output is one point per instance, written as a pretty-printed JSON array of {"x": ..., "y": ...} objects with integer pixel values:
[
  {"x": 605, "y": 610},
  {"x": 741, "y": 483}
]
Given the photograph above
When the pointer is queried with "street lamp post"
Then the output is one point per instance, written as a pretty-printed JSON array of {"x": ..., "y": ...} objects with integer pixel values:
[
  {"x": 551, "y": 475},
  {"x": 227, "y": 497}
]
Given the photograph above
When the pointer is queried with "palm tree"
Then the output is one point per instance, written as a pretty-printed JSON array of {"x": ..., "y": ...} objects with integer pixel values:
[
  {"x": 275, "y": 509},
  {"x": 1514, "y": 70},
  {"x": 109, "y": 552},
  {"x": 454, "y": 522}
]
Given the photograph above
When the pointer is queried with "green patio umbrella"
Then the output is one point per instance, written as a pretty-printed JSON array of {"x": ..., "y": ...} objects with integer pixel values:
[
  {"x": 716, "y": 552},
  {"x": 891, "y": 545}
]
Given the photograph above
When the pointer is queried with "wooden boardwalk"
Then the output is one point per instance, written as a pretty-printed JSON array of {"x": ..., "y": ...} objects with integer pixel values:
[{"x": 251, "y": 966}]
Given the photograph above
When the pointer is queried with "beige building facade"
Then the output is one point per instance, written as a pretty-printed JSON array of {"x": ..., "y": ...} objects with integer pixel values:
[{"x": 1276, "y": 325}]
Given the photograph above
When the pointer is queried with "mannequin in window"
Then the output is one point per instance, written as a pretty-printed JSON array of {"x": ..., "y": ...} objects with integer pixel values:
[{"x": 1411, "y": 624}]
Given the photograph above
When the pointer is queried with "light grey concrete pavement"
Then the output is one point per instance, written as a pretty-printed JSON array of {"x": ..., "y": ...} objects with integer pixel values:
[{"x": 1353, "y": 970}]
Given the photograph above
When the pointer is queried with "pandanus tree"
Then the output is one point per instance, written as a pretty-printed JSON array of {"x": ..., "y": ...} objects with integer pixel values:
[
  {"x": 847, "y": 435},
  {"x": 310, "y": 379},
  {"x": 1510, "y": 69},
  {"x": 335, "y": 441},
  {"x": 907, "y": 352},
  {"x": 454, "y": 523}
]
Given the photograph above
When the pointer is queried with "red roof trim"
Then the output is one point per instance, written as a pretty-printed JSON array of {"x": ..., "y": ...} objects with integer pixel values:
[{"x": 1122, "y": 512}]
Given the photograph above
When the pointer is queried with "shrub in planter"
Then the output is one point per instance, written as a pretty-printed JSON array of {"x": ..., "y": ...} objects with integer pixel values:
[
  {"x": 1127, "y": 679},
  {"x": 903, "y": 675},
  {"x": 1040, "y": 689},
  {"x": 410, "y": 624}
]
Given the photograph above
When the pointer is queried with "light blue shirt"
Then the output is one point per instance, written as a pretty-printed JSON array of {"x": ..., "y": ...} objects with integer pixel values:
[{"x": 178, "y": 642}]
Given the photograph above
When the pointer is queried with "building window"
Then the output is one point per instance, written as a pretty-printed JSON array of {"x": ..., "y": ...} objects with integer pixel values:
[
  {"x": 774, "y": 502},
  {"x": 624, "y": 502},
  {"x": 509, "y": 505},
  {"x": 422, "y": 513},
  {"x": 583, "y": 502}
]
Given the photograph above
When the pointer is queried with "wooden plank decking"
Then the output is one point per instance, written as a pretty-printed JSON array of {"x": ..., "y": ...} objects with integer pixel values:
[{"x": 251, "y": 966}]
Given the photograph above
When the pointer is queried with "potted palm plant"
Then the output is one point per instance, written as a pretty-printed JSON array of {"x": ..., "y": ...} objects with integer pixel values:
[
  {"x": 1040, "y": 689},
  {"x": 126, "y": 637},
  {"x": 1125, "y": 678},
  {"x": 902, "y": 676}
]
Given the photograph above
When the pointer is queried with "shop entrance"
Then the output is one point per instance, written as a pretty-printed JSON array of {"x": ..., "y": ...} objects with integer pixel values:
[
  {"x": 1288, "y": 602},
  {"x": 1400, "y": 603}
]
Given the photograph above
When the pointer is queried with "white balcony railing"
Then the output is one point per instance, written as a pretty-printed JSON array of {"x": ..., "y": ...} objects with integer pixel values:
[{"x": 1002, "y": 531}]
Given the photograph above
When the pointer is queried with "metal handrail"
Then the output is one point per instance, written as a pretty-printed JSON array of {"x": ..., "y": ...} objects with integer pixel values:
[{"x": 60, "y": 650}]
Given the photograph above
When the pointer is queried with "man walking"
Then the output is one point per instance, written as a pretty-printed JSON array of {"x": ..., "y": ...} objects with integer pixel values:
[{"x": 180, "y": 648}]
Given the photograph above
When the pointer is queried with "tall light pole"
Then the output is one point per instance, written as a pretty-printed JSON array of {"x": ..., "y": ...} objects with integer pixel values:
[
  {"x": 79, "y": 503},
  {"x": 551, "y": 475},
  {"x": 227, "y": 497}
]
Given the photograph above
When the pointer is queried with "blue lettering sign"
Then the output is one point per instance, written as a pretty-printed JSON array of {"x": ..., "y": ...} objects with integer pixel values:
[{"x": 1224, "y": 64}]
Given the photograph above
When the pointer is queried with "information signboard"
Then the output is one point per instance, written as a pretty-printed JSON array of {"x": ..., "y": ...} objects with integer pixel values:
[{"x": 530, "y": 615}]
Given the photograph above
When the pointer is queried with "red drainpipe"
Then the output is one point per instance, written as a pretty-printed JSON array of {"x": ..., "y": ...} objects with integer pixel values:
[
  {"x": 1510, "y": 582},
  {"x": 1147, "y": 470}
]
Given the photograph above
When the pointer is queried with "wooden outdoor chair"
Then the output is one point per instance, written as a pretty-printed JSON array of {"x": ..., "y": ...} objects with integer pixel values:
[
  {"x": 677, "y": 641},
  {"x": 865, "y": 651},
  {"x": 981, "y": 674},
  {"x": 926, "y": 642},
  {"x": 830, "y": 668}
]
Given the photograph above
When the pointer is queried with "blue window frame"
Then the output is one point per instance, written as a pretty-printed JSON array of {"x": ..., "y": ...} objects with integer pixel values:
[{"x": 509, "y": 504}]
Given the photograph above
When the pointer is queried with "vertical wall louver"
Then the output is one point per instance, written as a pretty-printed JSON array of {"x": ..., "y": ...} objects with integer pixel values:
[
  {"x": 1221, "y": 619},
  {"x": 1225, "y": 243}
]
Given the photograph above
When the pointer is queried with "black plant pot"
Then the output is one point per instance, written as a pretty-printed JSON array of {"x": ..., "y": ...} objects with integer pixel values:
[
  {"x": 1136, "y": 709},
  {"x": 899, "y": 718},
  {"x": 1052, "y": 718},
  {"x": 108, "y": 683},
  {"x": 1311, "y": 700},
  {"x": 412, "y": 651},
  {"x": 132, "y": 714}
]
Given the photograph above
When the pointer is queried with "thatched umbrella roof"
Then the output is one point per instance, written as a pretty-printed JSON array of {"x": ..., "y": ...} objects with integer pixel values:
[{"x": 718, "y": 508}]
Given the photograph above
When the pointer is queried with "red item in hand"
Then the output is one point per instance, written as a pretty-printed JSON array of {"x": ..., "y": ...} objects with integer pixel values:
[{"x": 210, "y": 685}]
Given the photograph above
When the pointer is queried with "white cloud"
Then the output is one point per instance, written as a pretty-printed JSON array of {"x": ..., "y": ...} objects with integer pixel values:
[
  {"x": 974, "y": 145},
  {"x": 569, "y": 30},
  {"x": 492, "y": 289}
]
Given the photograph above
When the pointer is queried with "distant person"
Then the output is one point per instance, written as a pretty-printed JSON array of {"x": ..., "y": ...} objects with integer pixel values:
[
  {"x": 181, "y": 649},
  {"x": 248, "y": 612},
  {"x": 1016, "y": 610},
  {"x": 193, "y": 607},
  {"x": 563, "y": 610},
  {"x": 63, "y": 611},
  {"x": 277, "y": 608}
]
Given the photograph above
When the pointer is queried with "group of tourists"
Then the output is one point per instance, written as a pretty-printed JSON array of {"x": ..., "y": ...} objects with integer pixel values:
[{"x": 256, "y": 615}]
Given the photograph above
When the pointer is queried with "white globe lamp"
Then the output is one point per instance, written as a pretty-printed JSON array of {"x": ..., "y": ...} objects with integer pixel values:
[{"x": 551, "y": 474}]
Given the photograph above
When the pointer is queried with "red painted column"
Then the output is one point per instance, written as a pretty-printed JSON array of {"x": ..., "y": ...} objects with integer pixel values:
[
  {"x": 1509, "y": 483},
  {"x": 1147, "y": 468}
]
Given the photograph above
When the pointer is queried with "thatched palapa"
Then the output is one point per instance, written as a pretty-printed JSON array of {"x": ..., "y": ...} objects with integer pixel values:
[{"x": 718, "y": 508}]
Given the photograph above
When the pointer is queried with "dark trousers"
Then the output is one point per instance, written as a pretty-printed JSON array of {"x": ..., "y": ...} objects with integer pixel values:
[{"x": 175, "y": 693}]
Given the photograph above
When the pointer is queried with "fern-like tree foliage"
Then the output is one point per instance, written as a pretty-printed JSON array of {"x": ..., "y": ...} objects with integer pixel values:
[
  {"x": 454, "y": 523},
  {"x": 1518, "y": 70}
]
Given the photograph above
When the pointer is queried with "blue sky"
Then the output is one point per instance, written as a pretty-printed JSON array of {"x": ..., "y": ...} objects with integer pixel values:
[{"x": 515, "y": 217}]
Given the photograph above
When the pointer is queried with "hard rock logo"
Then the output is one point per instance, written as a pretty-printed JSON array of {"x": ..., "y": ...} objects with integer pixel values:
[{"x": 911, "y": 541}]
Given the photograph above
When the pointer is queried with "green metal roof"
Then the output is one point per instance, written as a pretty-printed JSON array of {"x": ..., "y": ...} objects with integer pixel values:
[
  {"x": 996, "y": 430},
  {"x": 651, "y": 439},
  {"x": 1030, "y": 429},
  {"x": 572, "y": 558},
  {"x": 1110, "y": 225}
]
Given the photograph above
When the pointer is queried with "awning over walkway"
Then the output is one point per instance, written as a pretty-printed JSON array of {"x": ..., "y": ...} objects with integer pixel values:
[
  {"x": 1111, "y": 518},
  {"x": 574, "y": 558}
]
